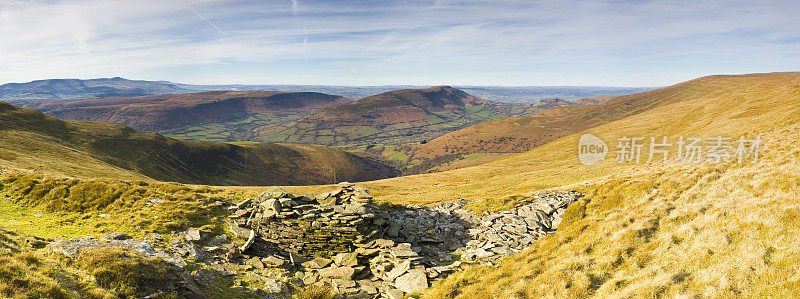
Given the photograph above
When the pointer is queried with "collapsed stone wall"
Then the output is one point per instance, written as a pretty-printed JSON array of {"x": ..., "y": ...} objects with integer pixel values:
[
  {"x": 311, "y": 227},
  {"x": 343, "y": 239}
]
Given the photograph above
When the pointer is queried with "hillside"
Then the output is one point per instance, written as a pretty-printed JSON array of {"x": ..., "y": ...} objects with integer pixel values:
[
  {"x": 667, "y": 230},
  {"x": 209, "y": 116},
  {"x": 519, "y": 134},
  {"x": 395, "y": 117},
  {"x": 31, "y": 140},
  {"x": 649, "y": 229},
  {"x": 719, "y": 230},
  {"x": 58, "y": 89},
  {"x": 717, "y": 104}
]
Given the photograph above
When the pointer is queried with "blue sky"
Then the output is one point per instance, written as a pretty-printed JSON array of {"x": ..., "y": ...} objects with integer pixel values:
[{"x": 602, "y": 43}]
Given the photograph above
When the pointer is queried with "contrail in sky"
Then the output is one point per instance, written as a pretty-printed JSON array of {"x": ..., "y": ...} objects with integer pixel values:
[{"x": 207, "y": 21}]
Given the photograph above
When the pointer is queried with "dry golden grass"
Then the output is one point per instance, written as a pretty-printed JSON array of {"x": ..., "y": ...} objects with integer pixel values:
[
  {"x": 664, "y": 231},
  {"x": 717, "y": 105},
  {"x": 643, "y": 231}
]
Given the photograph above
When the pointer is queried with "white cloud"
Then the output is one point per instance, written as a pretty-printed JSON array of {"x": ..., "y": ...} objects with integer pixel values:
[{"x": 391, "y": 42}]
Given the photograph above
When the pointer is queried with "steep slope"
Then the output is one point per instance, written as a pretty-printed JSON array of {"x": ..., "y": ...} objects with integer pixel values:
[
  {"x": 648, "y": 229},
  {"x": 177, "y": 114},
  {"x": 395, "y": 117},
  {"x": 519, "y": 134},
  {"x": 32, "y": 140},
  {"x": 77, "y": 89},
  {"x": 728, "y": 105},
  {"x": 667, "y": 230}
]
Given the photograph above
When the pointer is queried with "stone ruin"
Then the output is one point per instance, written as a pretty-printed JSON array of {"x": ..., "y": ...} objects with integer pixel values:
[
  {"x": 344, "y": 239},
  {"x": 309, "y": 227}
]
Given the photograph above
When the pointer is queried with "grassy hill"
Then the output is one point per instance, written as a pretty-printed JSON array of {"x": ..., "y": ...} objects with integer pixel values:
[
  {"x": 34, "y": 141},
  {"x": 709, "y": 105},
  {"x": 519, "y": 134},
  {"x": 396, "y": 117},
  {"x": 654, "y": 229}
]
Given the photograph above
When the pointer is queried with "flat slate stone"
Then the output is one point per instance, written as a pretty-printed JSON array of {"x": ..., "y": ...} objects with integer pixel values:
[
  {"x": 338, "y": 272},
  {"x": 414, "y": 281}
]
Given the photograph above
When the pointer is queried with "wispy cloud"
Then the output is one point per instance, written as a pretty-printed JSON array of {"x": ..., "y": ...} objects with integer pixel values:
[{"x": 397, "y": 42}]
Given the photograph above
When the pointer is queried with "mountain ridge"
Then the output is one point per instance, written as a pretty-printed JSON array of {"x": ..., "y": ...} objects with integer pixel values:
[
  {"x": 395, "y": 117},
  {"x": 162, "y": 112},
  {"x": 33, "y": 140},
  {"x": 58, "y": 89}
]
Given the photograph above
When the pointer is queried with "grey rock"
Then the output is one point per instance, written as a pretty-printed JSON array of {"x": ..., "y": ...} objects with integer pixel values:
[
  {"x": 395, "y": 294},
  {"x": 249, "y": 242},
  {"x": 338, "y": 272},
  {"x": 346, "y": 259},
  {"x": 414, "y": 281},
  {"x": 193, "y": 235},
  {"x": 399, "y": 270},
  {"x": 296, "y": 259},
  {"x": 115, "y": 236}
]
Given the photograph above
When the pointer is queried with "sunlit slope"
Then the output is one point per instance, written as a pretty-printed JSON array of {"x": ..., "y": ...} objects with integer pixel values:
[
  {"x": 33, "y": 141},
  {"x": 745, "y": 104},
  {"x": 519, "y": 134},
  {"x": 709, "y": 230}
]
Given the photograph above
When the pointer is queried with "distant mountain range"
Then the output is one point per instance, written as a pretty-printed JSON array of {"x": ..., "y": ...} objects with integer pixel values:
[
  {"x": 505, "y": 94},
  {"x": 60, "y": 89}
]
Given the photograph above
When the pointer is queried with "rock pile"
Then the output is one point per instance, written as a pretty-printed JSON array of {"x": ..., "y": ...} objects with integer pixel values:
[
  {"x": 336, "y": 238},
  {"x": 277, "y": 222},
  {"x": 501, "y": 234},
  {"x": 341, "y": 238}
]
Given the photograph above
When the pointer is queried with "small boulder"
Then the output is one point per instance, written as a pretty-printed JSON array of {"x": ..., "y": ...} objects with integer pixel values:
[
  {"x": 414, "y": 281},
  {"x": 338, "y": 272},
  {"x": 349, "y": 259},
  {"x": 317, "y": 263},
  {"x": 296, "y": 259},
  {"x": 395, "y": 294},
  {"x": 193, "y": 235},
  {"x": 115, "y": 236},
  {"x": 273, "y": 260}
]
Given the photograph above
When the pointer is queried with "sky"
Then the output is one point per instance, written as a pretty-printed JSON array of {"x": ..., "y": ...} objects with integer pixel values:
[{"x": 453, "y": 42}]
